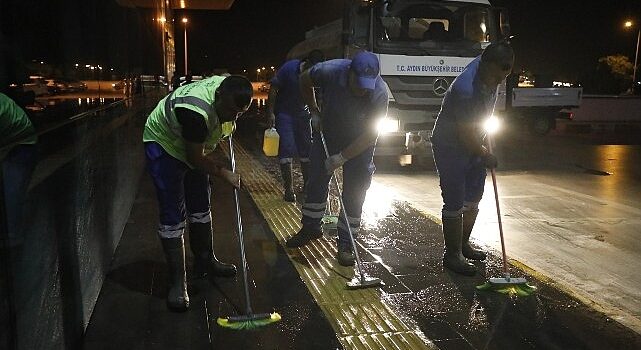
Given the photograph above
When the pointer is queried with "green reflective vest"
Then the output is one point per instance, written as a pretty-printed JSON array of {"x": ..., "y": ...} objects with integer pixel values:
[
  {"x": 163, "y": 128},
  {"x": 14, "y": 123}
]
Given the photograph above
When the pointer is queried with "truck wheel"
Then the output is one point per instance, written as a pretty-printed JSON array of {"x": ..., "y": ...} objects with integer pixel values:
[{"x": 542, "y": 126}]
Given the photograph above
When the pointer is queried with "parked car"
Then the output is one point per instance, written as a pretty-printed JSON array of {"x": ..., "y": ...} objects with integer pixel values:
[
  {"x": 183, "y": 79},
  {"x": 75, "y": 85},
  {"x": 153, "y": 80},
  {"x": 119, "y": 85},
  {"x": 37, "y": 84},
  {"x": 56, "y": 86}
]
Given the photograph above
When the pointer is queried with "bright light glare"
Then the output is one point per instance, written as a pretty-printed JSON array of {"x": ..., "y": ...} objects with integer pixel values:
[
  {"x": 483, "y": 28},
  {"x": 386, "y": 125},
  {"x": 492, "y": 125},
  {"x": 378, "y": 204},
  {"x": 628, "y": 24}
]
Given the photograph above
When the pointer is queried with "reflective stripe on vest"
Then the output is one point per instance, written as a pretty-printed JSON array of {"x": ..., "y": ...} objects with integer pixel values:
[{"x": 170, "y": 102}]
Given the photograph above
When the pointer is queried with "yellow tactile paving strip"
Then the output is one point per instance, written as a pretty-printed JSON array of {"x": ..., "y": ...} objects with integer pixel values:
[{"x": 360, "y": 318}]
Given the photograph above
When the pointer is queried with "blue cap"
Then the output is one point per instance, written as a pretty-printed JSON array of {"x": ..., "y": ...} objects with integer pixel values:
[{"x": 365, "y": 66}]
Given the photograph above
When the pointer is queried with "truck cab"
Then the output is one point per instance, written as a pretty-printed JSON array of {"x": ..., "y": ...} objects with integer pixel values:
[{"x": 422, "y": 45}]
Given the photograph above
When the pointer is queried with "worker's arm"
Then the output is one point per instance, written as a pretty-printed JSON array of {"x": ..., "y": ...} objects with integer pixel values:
[
  {"x": 197, "y": 158},
  {"x": 271, "y": 101},
  {"x": 471, "y": 136},
  {"x": 365, "y": 140},
  {"x": 194, "y": 133},
  {"x": 307, "y": 91}
]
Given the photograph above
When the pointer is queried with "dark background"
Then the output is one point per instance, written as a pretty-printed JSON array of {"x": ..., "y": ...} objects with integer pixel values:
[{"x": 558, "y": 38}]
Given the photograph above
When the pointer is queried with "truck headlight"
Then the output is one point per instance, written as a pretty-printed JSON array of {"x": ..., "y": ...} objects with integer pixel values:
[{"x": 386, "y": 125}]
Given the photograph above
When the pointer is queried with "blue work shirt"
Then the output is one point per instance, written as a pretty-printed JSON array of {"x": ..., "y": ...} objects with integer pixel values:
[
  {"x": 345, "y": 116},
  {"x": 466, "y": 101},
  {"x": 289, "y": 100}
]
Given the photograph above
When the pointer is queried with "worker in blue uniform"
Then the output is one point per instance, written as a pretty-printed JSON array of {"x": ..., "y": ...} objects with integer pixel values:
[
  {"x": 287, "y": 111},
  {"x": 460, "y": 154},
  {"x": 354, "y": 99}
]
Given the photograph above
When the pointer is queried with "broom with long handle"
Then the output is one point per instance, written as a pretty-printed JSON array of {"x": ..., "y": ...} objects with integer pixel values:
[
  {"x": 362, "y": 280},
  {"x": 249, "y": 320},
  {"x": 506, "y": 284}
]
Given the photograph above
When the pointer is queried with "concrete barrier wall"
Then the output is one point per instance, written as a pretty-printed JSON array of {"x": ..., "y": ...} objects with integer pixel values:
[{"x": 75, "y": 209}]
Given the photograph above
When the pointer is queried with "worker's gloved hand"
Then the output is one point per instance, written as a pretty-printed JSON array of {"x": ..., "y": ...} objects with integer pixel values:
[
  {"x": 317, "y": 125},
  {"x": 231, "y": 178},
  {"x": 489, "y": 160},
  {"x": 334, "y": 162}
]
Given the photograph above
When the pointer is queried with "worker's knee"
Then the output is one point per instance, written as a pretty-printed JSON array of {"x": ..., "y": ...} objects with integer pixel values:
[
  {"x": 470, "y": 206},
  {"x": 171, "y": 231},
  {"x": 448, "y": 213}
]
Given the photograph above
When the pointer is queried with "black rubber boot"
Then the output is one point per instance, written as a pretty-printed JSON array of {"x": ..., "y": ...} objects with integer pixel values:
[
  {"x": 177, "y": 297},
  {"x": 304, "y": 236},
  {"x": 286, "y": 173},
  {"x": 345, "y": 256},
  {"x": 453, "y": 258},
  {"x": 202, "y": 245},
  {"x": 469, "y": 217}
]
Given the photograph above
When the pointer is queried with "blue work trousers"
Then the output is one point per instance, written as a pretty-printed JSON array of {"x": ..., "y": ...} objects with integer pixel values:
[
  {"x": 179, "y": 189},
  {"x": 295, "y": 137},
  {"x": 357, "y": 177},
  {"x": 461, "y": 176}
]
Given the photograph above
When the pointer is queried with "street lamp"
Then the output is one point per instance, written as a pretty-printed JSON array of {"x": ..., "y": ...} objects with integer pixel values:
[
  {"x": 185, "y": 23},
  {"x": 628, "y": 24}
]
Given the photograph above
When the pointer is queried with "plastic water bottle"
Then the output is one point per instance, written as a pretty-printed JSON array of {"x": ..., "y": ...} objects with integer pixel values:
[{"x": 270, "y": 142}]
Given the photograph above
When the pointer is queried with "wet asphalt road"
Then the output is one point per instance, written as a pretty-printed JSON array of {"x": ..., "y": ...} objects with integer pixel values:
[{"x": 571, "y": 207}]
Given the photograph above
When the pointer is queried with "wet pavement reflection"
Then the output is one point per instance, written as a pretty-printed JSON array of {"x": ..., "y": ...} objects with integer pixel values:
[
  {"x": 398, "y": 243},
  {"x": 451, "y": 312},
  {"x": 131, "y": 311},
  {"x": 404, "y": 247}
]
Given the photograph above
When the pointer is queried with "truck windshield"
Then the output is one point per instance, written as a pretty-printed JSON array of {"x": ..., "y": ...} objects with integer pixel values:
[{"x": 443, "y": 27}]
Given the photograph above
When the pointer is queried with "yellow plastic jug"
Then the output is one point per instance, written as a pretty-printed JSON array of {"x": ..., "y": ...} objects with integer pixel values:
[{"x": 270, "y": 142}]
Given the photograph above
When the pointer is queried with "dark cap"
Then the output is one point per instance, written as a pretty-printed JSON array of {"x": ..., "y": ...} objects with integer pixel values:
[{"x": 366, "y": 68}]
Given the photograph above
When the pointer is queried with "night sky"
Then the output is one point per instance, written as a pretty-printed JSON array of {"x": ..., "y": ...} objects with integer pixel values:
[{"x": 559, "y": 38}]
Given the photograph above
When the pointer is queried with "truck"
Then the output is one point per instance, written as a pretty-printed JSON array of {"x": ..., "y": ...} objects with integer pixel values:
[
  {"x": 539, "y": 107},
  {"x": 422, "y": 46}
]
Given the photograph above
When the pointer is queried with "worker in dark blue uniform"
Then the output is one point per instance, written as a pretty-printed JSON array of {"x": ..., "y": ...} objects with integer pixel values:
[
  {"x": 291, "y": 119},
  {"x": 354, "y": 99},
  {"x": 458, "y": 145}
]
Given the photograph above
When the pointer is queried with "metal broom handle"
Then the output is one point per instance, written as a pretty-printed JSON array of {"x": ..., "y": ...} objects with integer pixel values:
[
  {"x": 496, "y": 196},
  {"x": 240, "y": 229},
  {"x": 349, "y": 228}
]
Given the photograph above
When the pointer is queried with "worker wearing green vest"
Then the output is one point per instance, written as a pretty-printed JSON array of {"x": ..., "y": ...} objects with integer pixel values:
[
  {"x": 180, "y": 132},
  {"x": 18, "y": 163}
]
